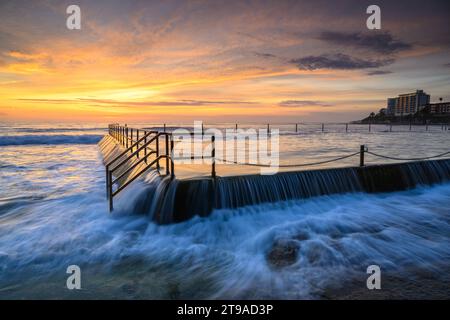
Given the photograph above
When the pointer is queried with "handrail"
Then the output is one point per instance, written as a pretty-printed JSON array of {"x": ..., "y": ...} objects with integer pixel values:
[
  {"x": 118, "y": 157},
  {"x": 134, "y": 153},
  {"x": 121, "y": 135},
  {"x": 131, "y": 168},
  {"x": 128, "y": 149},
  {"x": 137, "y": 175}
]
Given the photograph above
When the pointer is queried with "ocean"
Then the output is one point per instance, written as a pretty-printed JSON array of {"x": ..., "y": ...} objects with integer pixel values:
[{"x": 53, "y": 213}]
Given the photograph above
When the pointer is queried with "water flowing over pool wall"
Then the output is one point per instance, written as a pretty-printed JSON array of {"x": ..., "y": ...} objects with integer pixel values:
[{"x": 168, "y": 200}]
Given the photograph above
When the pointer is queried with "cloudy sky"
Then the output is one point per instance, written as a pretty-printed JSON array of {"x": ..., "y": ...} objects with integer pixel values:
[{"x": 283, "y": 61}]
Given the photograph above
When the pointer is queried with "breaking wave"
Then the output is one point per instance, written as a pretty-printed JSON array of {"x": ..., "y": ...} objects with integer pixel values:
[
  {"x": 19, "y": 140},
  {"x": 293, "y": 249},
  {"x": 68, "y": 129}
]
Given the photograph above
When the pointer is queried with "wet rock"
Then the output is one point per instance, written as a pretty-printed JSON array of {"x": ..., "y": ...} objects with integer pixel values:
[
  {"x": 283, "y": 253},
  {"x": 319, "y": 255}
]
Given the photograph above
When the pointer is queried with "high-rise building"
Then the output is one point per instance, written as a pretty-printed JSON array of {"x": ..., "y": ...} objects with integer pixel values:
[
  {"x": 390, "y": 108},
  {"x": 410, "y": 103}
]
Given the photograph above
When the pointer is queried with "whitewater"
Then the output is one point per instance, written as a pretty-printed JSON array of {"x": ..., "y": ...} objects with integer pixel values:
[{"x": 53, "y": 213}]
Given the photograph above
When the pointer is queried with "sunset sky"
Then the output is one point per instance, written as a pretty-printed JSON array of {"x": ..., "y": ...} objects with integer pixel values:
[{"x": 279, "y": 61}]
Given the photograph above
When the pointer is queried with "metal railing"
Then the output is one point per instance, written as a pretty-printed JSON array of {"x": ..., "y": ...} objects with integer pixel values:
[
  {"x": 140, "y": 141},
  {"x": 138, "y": 144}
]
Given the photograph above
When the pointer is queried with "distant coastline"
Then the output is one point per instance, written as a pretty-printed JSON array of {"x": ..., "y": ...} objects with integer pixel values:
[
  {"x": 416, "y": 119},
  {"x": 421, "y": 117},
  {"x": 410, "y": 108}
]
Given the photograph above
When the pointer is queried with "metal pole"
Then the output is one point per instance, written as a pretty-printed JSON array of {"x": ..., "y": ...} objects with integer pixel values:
[
  {"x": 296, "y": 128},
  {"x": 346, "y": 127},
  {"x": 137, "y": 146},
  {"x": 361, "y": 155},
  {"x": 126, "y": 133},
  {"x": 172, "y": 164},
  {"x": 268, "y": 128},
  {"x": 157, "y": 151},
  {"x": 145, "y": 144},
  {"x": 213, "y": 156},
  {"x": 131, "y": 139},
  {"x": 167, "y": 154},
  {"x": 164, "y": 127},
  {"x": 323, "y": 126}
]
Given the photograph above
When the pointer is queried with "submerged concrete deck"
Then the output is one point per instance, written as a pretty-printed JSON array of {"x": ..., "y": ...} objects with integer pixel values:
[{"x": 178, "y": 199}]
